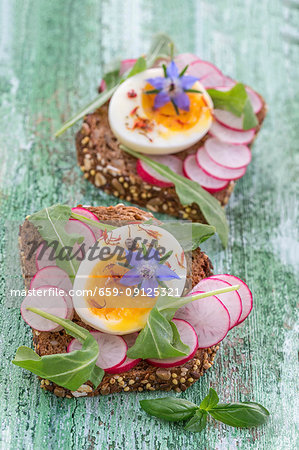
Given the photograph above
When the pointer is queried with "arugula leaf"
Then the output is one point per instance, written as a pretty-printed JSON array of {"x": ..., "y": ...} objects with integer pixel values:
[
  {"x": 112, "y": 76},
  {"x": 190, "y": 235},
  {"x": 210, "y": 400},
  {"x": 237, "y": 102},
  {"x": 169, "y": 408},
  {"x": 50, "y": 222},
  {"x": 93, "y": 223},
  {"x": 242, "y": 414},
  {"x": 69, "y": 370},
  {"x": 139, "y": 66},
  {"x": 198, "y": 422},
  {"x": 158, "y": 339},
  {"x": 188, "y": 192},
  {"x": 160, "y": 46}
]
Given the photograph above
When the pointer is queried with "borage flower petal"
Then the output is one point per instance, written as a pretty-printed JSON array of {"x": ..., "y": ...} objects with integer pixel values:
[
  {"x": 149, "y": 285},
  {"x": 161, "y": 99},
  {"x": 182, "y": 101},
  {"x": 158, "y": 82},
  {"x": 172, "y": 71},
  {"x": 164, "y": 273},
  {"x": 131, "y": 278},
  {"x": 187, "y": 81}
]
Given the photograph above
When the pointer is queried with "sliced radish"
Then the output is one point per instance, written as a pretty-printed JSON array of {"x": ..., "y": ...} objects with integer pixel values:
[
  {"x": 113, "y": 349},
  {"x": 76, "y": 227},
  {"x": 86, "y": 213},
  {"x": 149, "y": 175},
  {"x": 255, "y": 100},
  {"x": 231, "y": 136},
  {"x": 203, "y": 69},
  {"x": 244, "y": 293},
  {"x": 214, "y": 170},
  {"x": 231, "y": 156},
  {"x": 128, "y": 363},
  {"x": 231, "y": 300},
  {"x": 45, "y": 256},
  {"x": 49, "y": 301},
  {"x": 212, "y": 80},
  {"x": 229, "y": 120},
  {"x": 126, "y": 64},
  {"x": 209, "y": 318},
  {"x": 189, "y": 337},
  {"x": 184, "y": 59},
  {"x": 195, "y": 173}
]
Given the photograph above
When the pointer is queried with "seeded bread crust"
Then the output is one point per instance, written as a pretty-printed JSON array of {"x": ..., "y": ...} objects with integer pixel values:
[
  {"x": 109, "y": 168},
  {"x": 143, "y": 376}
]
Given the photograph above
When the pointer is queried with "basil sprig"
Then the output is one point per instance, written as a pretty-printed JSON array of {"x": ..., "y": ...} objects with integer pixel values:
[
  {"x": 69, "y": 370},
  {"x": 190, "y": 192},
  {"x": 237, "y": 102},
  {"x": 160, "y": 48},
  {"x": 160, "y": 338},
  {"x": 240, "y": 414}
]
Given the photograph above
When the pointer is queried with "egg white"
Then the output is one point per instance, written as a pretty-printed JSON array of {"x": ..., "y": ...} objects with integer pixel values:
[{"x": 121, "y": 105}]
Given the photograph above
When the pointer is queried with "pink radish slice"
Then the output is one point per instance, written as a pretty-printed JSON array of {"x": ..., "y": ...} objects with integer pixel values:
[
  {"x": 214, "y": 170},
  {"x": 244, "y": 293},
  {"x": 203, "y": 69},
  {"x": 225, "y": 134},
  {"x": 209, "y": 318},
  {"x": 189, "y": 337},
  {"x": 89, "y": 215},
  {"x": 151, "y": 176},
  {"x": 195, "y": 173},
  {"x": 76, "y": 227},
  {"x": 255, "y": 100},
  {"x": 103, "y": 86},
  {"x": 128, "y": 363},
  {"x": 229, "y": 120},
  {"x": 184, "y": 59},
  {"x": 126, "y": 64},
  {"x": 231, "y": 156},
  {"x": 51, "y": 302},
  {"x": 45, "y": 256},
  {"x": 53, "y": 275},
  {"x": 113, "y": 349},
  {"x": 231, "y": 300},
  {"x": 212, "y": 80}
]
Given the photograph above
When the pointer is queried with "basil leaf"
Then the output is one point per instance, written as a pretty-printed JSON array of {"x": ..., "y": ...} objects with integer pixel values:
[
  {"x": 198, "y": 422},
  {"x": 50, "y": 222},
  {"x": 169, "y": 408},
  {"x": 237, "y": 102},
  {"x": 188, "y": 192},
  {"x": 158, "y": 339},
  {"x": 189, "y": 235},
  {"x": 210, "y": 400},
  {"x": 69, "y": 370},
  {"x": 245, "y": 414}
]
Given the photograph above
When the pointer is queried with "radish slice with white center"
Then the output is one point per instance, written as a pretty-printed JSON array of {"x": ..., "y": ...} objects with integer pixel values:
[
  {"x": 49, "y": 301},
  {"x": 189, "y": 337},
  {"x": 229, "y": 120},
  {"x": 195, "y": 173},
  {"x": 214, "y": 170},
  {"x": 128, "y": 363},
  {"x": 231, "y": 300},
  {"x": 203, "y": 69},
  {"x": 255, "y": 100},
  {"x": 45, "y": 256},
  {"x": 113, "y": 349},
  {"x": 212, "y": 80},
  {"x": 231, "y": 156},
  {"x": 225, "y": 134},
  {"x": 89, "y": 215},
  {"x": 244, "y": 293},
  {"x": 184, "y": 59},
  {"x": 149, "y": 175},
  {"x": 126, "y": 64},
  {"x": 76, "y": 227},
  {"x": 209, "y": 318}
]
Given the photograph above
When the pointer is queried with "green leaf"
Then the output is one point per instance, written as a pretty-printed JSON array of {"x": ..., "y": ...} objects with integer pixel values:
[
  {"x": 245, "y": 414},
  {"x": 93, "y": 223},
  {"x": 210, "y": 400},
  {"x": 139, "y": 66},
  {"x": 188, "y": 192},
  {"x": 198, "y": 422},
  {"x": 69, "y": 370},
  {"x": 237, "y": 102},
  {"x": 169, "y": 408},
  {"x": 160, "y": 48},
  {"x": 189, "y": 234},
  {"x": 158, "y": 339},
  {"x": 51, "y": 222}
]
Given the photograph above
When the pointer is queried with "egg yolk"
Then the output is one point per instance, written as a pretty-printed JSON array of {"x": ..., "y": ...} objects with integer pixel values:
[
  {"x": 114, "y": 302},
  {"x": 167, "y": 116}
]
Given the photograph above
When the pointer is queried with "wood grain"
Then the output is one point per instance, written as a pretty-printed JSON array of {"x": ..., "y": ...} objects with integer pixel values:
[{"x": 52, "y": 54}]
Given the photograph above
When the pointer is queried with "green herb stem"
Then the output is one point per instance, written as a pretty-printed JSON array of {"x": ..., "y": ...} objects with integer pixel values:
[{"x": 92, "y": 223}]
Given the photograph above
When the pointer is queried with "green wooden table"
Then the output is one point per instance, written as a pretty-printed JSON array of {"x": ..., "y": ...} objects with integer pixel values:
[{"x": 52, "y": 54}]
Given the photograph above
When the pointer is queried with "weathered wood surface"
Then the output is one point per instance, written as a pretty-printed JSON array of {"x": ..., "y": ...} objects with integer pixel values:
[{"x": 52, "y": 54}]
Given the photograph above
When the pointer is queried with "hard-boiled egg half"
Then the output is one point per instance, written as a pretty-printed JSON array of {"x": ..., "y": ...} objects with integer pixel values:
[
  {"x": 138, "y": 125},
  {"x": 120, "y": 279}
]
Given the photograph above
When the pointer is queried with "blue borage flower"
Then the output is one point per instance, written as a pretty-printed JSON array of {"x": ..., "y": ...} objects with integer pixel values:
[
  {"x": 172, "y": 88},
  {"x": 147, "y": 271}
]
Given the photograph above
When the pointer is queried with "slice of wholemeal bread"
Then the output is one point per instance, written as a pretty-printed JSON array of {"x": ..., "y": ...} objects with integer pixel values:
[
  {"x": 143, "y": 376},
  {"x": 111, "y": 169}
]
